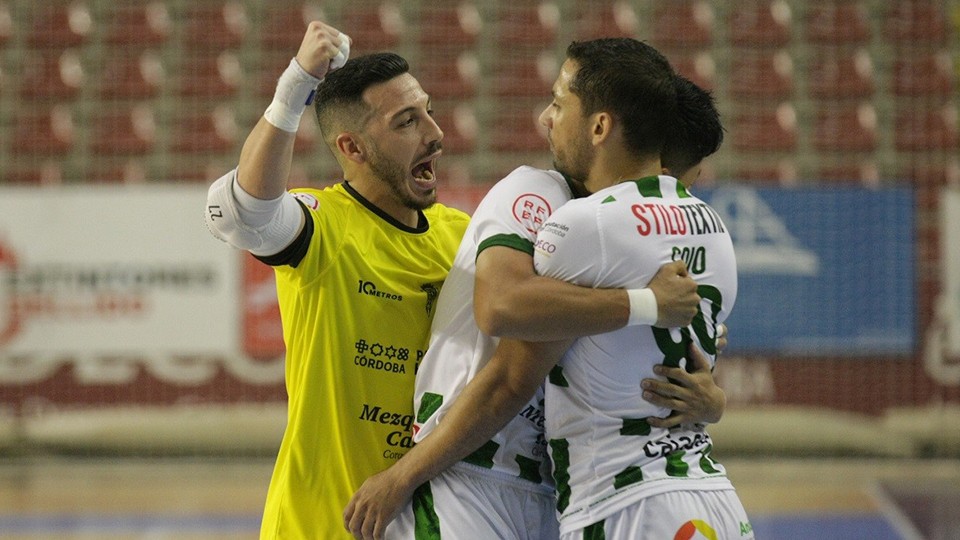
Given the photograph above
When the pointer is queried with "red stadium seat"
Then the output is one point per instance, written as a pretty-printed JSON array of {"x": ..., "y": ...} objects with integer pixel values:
[
  {"x": 683, "y": 23},
  {"x": 47, "y": 131},
  {"x": 216, "y": 25},
  {"x": 761, "y": 74},
  {"x": 200, "y": 170},
  {"x": 782, "y": 171},
  {"x": 605, "y": 19},
  {"x": 939, "y": 174},
  {"x": 52, "y": 75},
  {"x": 213, "y": 131},
  {"x": 516, "y": 129},
  {"x": 284, "y": 25},
  {"x": 853, "y": 171},
  {"x": 834, "y": 23},
  {"x": 924, "y": 74},
  {"x": 6, "y": 23},
  {"x": 48, "y": 172},
  {"x": 450, "y": 74},
  {"x": 526, "y": 22},
  {"x": 461, "y": 190},
  {"x": 138, "y": 24},
  {"x": 916, "y": 21},
  {"x": 460, "y": 126},
  {"x": 841, "y": 74},
  {"x": 268, "y": 70},
  {"x": 132, "y": 131},
  {"x": 845, "y": 128},
  {"x": 131, "y": 76},
  {"x": 308, "y": 135},
  {"x": 445, "y": 25},
  {"x": 210, "y": 76},
  {"x": 766, "y": 128},
  {"x": 373, "y": 27},
  {"x": 699, "y": 67},
  {"x": 125, "y": 171},
  {"x": 528, "y": 73},
  {"x": 760, "y": 23},
  {"x": 930, "y": 129},
  {"x": 60, "y": 26}
]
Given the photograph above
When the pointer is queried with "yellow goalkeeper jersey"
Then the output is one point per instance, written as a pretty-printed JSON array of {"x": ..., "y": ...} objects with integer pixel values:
[{"x": 357, "y": 294}]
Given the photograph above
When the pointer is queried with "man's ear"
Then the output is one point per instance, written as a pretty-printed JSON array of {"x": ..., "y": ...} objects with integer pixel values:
[
  {"x": 601, "y": 127},
  {"x": 351, "y": 147}
]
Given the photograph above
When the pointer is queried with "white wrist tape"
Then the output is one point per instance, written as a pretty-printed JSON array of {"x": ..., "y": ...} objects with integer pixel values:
[
  {"x": 296, "y": 88},
  {"x": 294, "y": 92},
  {"x": 643, "y": 307}
]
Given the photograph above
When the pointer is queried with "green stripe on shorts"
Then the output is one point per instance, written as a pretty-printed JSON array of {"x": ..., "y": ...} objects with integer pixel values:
[
  {"x": 426, "y": 523},
  {"x": 594, "y": 532}
]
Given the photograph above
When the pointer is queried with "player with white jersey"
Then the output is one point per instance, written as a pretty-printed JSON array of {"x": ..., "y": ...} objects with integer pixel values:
[
  {"x": 500, "y": 490},
  {"x": 503, "y": 489},
  {"x": 617, "y": 476},
  {"x": 606, "y": 455},
  {"x": 509, "y": 215}
]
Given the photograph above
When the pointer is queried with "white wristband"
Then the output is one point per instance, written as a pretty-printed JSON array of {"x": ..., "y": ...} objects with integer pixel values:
[
  {"x": 643, "y": 307},
  {"x": 295, "y": 91}
]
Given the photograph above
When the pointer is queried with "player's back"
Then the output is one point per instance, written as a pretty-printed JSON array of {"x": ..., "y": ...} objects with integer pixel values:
[{"x": 596, "y": 427}]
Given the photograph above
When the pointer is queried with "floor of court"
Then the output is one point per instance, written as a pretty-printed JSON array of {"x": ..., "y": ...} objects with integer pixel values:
[{"x": 210, "y": 499}]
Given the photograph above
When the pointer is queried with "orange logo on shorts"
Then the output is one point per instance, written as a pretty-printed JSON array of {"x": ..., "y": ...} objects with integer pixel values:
[{"x": 695, "y": 528}]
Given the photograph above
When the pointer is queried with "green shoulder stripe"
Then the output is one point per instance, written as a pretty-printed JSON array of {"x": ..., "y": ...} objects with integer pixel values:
[
  {"x": 508, "y": 240},
  {"x": 649, "y": 186}
]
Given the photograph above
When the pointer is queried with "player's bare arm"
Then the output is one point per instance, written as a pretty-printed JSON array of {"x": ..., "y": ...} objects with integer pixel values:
[
  {"x": 512, "y": 301},
  {"x": 249, "y": 208},
  {"x": 492, "y": 398},
  {"x": 268, "y": 151}
]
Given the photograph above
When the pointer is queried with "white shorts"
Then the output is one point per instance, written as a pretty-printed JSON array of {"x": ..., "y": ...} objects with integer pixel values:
[
  {"x": 467, "y": 502},
  {"x": 680, "y": 515}
]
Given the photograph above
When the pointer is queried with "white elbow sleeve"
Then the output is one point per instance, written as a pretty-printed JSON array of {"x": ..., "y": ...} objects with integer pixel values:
[{"x": 262, "y": 227}]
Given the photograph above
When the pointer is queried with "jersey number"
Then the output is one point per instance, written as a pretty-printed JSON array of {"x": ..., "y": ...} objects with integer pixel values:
[{"x": 674, "y": 351}]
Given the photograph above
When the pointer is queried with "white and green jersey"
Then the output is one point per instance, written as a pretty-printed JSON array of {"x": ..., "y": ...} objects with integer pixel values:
[
  {"x": 509, "y": 215},
  {"x": 606, "y": 455}
]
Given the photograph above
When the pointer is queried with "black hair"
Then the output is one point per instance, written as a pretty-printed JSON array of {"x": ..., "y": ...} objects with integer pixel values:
[
  {"x": 698, "y": 131},
  {"x": 343, "y": 88},
  {"x": 632, "y": 81}
]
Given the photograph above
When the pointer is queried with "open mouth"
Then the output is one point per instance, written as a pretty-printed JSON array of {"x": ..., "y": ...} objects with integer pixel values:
[{"x": 424, "y": 171}]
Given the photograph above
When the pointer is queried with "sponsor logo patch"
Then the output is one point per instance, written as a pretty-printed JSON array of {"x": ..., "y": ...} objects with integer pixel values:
[
  {"x": 307, "y": 199},
  {"x": 530, "y": 211}
]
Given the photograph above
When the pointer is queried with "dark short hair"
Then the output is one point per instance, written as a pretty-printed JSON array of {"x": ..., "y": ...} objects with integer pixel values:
[
  {"x": 632, "y": 81},
  {"x": 698, "y": 131},
  {"x": 343, "y": 89}
]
